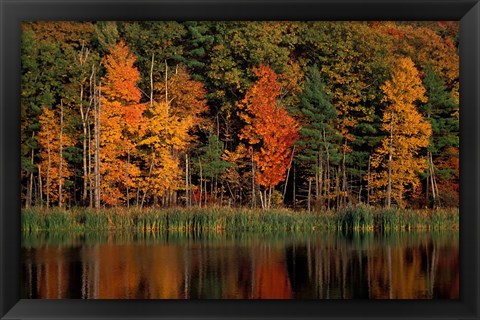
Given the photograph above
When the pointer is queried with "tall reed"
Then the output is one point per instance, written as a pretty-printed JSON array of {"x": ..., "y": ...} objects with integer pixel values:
[{"x": 195, "y": 219}]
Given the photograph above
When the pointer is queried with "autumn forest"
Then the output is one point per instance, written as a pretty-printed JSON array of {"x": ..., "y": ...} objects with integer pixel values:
[
  {"x": 310, "y": 116},
  {"x": 240, "y": 160}
]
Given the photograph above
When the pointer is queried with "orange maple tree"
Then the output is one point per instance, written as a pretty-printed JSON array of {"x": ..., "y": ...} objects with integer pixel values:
[
  {"x": 269, "y": 129},
  {"x": 121, "y": 124}
]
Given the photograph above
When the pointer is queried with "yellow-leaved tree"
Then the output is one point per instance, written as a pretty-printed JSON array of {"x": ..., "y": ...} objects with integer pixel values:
[
  {"x": 53, "y": 168},
  {"x": 396, "y": 162},
  {"x": 166, "y": 136}
]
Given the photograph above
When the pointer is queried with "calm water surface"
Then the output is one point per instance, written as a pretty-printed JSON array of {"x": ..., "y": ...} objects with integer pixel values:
[{"x": 247, "y": 266}]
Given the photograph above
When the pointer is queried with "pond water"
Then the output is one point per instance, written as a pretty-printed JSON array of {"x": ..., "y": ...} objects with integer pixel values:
[{"x": 420, "y": 265}]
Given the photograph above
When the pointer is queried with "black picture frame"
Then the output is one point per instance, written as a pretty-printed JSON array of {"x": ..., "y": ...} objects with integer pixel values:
[{"x": 13, "y": 12}]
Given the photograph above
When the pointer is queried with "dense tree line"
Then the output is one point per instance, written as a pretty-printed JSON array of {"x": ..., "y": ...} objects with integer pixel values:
[{"x": 315, "y": 115}]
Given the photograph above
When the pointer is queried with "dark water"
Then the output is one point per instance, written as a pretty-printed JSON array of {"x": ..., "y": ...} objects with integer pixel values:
[{"x": 174, "y": 266}]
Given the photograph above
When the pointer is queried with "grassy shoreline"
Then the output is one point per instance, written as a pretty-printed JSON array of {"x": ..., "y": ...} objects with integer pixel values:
[{"x": 219, "y": 219}]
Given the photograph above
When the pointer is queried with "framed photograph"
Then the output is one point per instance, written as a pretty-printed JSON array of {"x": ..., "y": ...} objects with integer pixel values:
[{"x": 239, "y": 159}]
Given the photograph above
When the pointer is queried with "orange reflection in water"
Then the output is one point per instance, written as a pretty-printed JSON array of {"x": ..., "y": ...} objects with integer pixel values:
[
  {"x": 271, "y": 276},
  {"x": 403, "y": 266},
  {"x": 52, "y": 272}
]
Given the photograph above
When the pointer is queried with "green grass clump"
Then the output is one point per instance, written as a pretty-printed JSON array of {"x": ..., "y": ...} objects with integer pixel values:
[{"x": 360, "y": 218}]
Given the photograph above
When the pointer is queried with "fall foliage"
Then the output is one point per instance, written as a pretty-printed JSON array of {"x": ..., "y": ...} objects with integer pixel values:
[
  {"x": 316, "y": 115},
  {"x": 166, "y": 136},
  {"x": 396, "y": 161},
  {"x": 121, "y": 124},
  {"x": 269, "y": 129},
  {"x": 54, "y": 170}
]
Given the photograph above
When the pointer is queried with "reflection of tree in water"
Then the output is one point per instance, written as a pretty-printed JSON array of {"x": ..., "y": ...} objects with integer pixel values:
[
  {"x": 314, "y": 267},
  {"x": 299, "y": 270},
  {"x": 342, "y": 268},
  {"x": 271, "y": 278},
  {"x": 48, "y": 273},
  {"x": 220, "y": 271},
  {"x": 254, "y": 272},
  {"x": 326, "y": 271}
]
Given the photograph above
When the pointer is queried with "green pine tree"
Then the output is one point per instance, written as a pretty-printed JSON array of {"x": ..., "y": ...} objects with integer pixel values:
[{"x": 318, "y": 141}]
